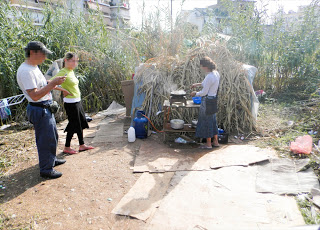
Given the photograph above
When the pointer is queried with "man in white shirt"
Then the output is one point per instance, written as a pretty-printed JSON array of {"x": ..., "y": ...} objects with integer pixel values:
[{"x": 38, "y": 92}]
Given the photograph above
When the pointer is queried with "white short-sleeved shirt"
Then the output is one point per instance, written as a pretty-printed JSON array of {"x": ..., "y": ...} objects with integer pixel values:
[
  {"x": 30, "y": 77},
  {"x": 210, "y": 85}
]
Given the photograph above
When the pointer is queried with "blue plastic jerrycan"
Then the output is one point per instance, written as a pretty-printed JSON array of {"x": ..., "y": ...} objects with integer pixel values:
[{"x": 141, "y": 125}]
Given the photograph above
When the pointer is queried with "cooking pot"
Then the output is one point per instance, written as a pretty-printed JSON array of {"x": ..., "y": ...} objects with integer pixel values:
[
  {"x": 194, "y": 123},
  {"x": 177, "y": 124},
  {"x": 178, "y": 93}
]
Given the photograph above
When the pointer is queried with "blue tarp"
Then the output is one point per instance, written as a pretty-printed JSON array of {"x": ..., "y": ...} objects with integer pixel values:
[{"x": 138, "y": 98}]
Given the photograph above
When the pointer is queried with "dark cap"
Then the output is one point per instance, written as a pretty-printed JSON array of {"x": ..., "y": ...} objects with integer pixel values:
[{"x": 35, "y": 45}]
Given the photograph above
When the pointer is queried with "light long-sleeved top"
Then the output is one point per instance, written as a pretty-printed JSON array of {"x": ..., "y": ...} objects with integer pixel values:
[{"x": 210, "y": 85}]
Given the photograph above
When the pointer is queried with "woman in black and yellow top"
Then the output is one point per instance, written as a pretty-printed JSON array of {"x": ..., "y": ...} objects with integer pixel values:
[{"x": 72, "y": 104}]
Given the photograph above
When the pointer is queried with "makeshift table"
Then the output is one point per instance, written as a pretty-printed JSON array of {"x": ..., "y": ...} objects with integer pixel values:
[{"x": 166, "y": 122}]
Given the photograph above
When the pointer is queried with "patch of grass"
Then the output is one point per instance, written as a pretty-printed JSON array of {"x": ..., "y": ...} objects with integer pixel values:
[
  {"x": 280, "y": 124},
  {"x": 7, "y": 222},
  {"x": 4, "y": 219},
  {"x": 14, "y": 146},
  {"x": 309, "y": 213}
]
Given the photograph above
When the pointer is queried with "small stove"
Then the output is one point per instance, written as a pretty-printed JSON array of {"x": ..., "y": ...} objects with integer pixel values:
[{"x": 178, "y": 98}]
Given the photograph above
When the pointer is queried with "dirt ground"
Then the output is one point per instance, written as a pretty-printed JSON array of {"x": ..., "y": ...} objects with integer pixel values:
[{"x": 92, "y": 184}]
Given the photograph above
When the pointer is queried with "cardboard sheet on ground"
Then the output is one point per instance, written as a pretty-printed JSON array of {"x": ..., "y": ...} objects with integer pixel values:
[
  {"x": 240, "y": 155},
  {"x": 222, "y": 199},
  {"x": 109, "y": 132},
  {"x": 283, "y": 176},
  {"x": 155, "y": 157},
  {"x": 145, "y": 196}
]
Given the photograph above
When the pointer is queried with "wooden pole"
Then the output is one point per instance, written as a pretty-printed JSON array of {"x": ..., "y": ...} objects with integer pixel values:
[{"x": 171, "y": 16}]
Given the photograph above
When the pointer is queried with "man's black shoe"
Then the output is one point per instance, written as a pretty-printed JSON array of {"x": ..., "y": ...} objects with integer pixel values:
[
  {"x": 59, "y": 162},
  {"x": 51, "y": 175}
]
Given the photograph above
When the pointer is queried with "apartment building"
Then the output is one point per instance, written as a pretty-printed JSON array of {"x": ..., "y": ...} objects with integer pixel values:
[
  {"x": 116, "y": 13},
  {"x": 214, "y": 14}
]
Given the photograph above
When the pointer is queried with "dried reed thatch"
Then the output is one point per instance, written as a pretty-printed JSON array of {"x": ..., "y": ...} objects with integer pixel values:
[{"x": 159, "y": 76}]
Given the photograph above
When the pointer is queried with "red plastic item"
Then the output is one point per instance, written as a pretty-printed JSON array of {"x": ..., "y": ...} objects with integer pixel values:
[{"x": 303, "y": 144}]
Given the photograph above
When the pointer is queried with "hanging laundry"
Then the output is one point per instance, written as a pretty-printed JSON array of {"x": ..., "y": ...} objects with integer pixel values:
[{"x": 4, "y": 109}]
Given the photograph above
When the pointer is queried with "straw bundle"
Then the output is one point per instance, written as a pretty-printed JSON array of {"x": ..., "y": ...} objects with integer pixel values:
[{"x": 160, "y": 76}]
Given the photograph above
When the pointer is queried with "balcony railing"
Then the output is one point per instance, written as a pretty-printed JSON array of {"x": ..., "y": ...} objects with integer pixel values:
[
  {"x": 104, "y": 8},
  {"x": 33, "y": 3},
  {"x": 120, "y": 12}
]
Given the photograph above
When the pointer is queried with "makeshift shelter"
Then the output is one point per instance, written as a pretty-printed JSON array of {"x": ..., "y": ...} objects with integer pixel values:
[{"x": 155, "y": 79}]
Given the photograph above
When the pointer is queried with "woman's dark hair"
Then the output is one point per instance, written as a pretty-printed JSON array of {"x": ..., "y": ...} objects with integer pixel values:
[
  {"x": 68, "y": 56},
  {"x": 207, "y": 62}
]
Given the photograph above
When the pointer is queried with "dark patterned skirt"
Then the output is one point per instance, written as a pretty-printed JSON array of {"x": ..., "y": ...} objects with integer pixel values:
[
  {"x": 207, "y": 124},
  {"x": 76, "y": 117}
]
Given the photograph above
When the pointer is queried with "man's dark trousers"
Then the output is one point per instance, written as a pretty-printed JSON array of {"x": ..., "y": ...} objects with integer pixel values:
[{"x": 46, "y": 134}]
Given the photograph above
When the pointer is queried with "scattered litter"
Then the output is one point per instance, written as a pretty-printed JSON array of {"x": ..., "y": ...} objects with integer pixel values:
[
  {"x": 220, "y": 130},
  {"x": 260, "y": 93},
  {"x": 302, "y": 144},
  {"x": 153, "y": 132},
  {"x": 290, "y": 123},
  {"x": 158, "y": 112},
  {"x": 236, "y": 137},
  {"x": 302, "y": 197},
  {"x": 13, "y": 216},
  {"x": 180, "y": 140},
  {"x": 311, "y": 132},
  {"x": 88, "y": 118},
  {"x": 242, "y": 137},
  {"x": 4, "y": 127},
  {"x": 72, "y": 190},
  {"x": 125, "y": 131},
  {"x": 94, "y": 161},
  {"x": 109, "y": 199}
]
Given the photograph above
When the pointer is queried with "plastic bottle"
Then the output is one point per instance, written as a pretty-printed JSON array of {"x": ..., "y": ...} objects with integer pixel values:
[{"x": 131, "y": 134}]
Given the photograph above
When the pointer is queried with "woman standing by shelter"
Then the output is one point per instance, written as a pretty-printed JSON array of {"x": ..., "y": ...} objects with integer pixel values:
[
  {"x": 72, "y": 104},
  {"x": 207, "y": 124}
]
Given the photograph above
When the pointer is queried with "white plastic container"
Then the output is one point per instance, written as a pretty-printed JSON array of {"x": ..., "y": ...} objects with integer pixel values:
[{"x": 131, "y": 134}]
